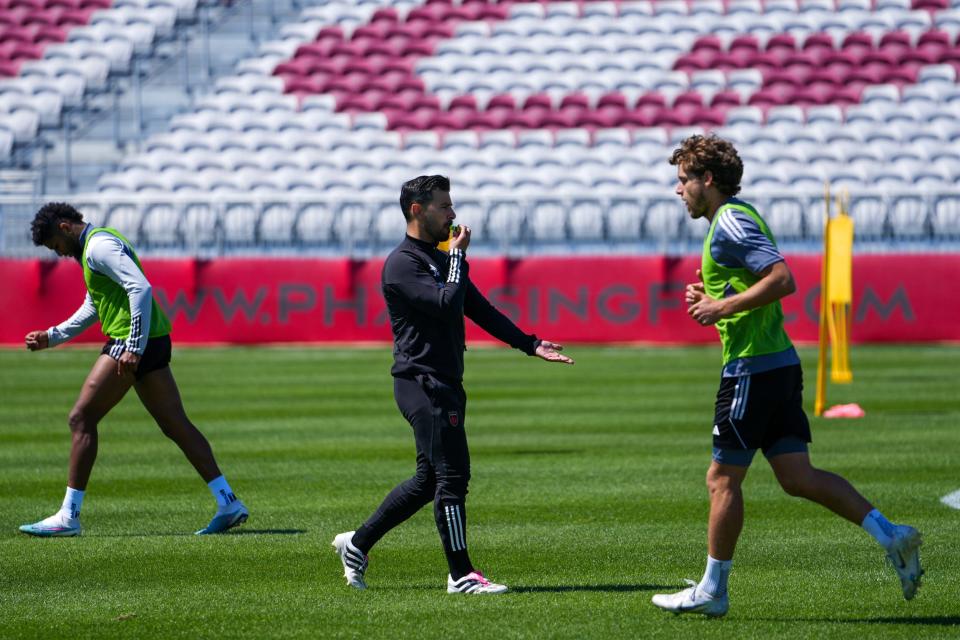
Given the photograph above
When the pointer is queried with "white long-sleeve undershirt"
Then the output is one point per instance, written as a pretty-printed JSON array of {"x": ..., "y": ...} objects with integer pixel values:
[{"x": 106, "y": 254}]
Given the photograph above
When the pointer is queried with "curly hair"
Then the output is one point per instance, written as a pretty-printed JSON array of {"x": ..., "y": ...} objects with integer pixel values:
[
  {"x": 699, "y": 154},
  {"x": 420, "y": 190},
  {"x": 48, "y": 217}
]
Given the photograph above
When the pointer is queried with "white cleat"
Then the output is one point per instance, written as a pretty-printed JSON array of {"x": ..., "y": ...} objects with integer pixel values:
[
  {"x": 354, "y": 561},
  {"x": 58, "y": 525},
  {"x": 692, "y": 600},
  {"x": 474, "y": 582},
  {"x": 904, "y": 555}
]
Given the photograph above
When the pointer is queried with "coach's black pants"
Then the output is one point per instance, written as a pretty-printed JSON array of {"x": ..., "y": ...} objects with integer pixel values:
[{"x": 436, "y": 411}]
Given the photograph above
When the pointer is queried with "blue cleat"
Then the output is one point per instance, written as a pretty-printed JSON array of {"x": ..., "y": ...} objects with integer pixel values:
[
  {"x": 56, "y": 526},
  {"x": 226, "y": 519}
]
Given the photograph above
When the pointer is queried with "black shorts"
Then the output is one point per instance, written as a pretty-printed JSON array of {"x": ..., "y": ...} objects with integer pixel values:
[
  {"x": 760, "y": 411},
  {"x": 155, "y": 356}
]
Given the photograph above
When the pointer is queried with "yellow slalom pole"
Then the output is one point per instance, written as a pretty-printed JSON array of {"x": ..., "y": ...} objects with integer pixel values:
[
  {"x": 821, "y": 397},
  {"x": 840, "y": 292}
]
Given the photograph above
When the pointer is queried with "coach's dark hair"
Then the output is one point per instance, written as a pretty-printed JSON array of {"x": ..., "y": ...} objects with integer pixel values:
[
  {"x": 420, "y": 190},
  {"x": 699, "y": 154},
  {"x": 49, "y": 216}
]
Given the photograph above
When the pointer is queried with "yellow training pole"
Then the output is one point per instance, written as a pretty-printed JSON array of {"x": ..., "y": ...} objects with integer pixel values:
[{"x": 840, "y": 292}]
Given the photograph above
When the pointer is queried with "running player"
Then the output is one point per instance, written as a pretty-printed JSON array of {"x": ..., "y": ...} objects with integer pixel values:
[{"x": 743, "y": 277}]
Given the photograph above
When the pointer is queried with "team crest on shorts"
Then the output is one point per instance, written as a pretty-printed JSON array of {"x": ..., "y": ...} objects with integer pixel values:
[{"x": 454, "y": 418}]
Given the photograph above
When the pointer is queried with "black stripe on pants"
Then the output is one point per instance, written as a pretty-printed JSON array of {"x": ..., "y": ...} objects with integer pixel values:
[{"x": 436, "y": 411}]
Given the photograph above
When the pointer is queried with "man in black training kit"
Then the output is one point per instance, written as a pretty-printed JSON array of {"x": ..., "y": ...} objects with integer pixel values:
[{"x": 428, "y": 293}]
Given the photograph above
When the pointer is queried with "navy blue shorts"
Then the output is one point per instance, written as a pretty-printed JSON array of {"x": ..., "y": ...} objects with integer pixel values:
[
  {"x": 760, "y": 411},
  {"x": 156, "y": 356}
]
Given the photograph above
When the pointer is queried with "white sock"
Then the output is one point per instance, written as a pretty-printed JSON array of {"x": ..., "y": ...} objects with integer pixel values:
[
  {"x": 714, "y": 581},
  {"x": 879, "y": 527},
  {"x": 222, "y": 492},
  {"x": 72, "y": 503}
]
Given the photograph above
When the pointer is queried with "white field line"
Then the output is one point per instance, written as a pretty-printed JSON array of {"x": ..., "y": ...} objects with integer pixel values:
[{"x": 952, "y": 499}]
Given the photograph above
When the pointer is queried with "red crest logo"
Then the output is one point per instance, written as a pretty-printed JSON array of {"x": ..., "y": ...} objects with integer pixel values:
[{"x": 454, "y": 418}]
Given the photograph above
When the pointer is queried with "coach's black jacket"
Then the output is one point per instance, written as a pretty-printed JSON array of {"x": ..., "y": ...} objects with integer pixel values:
[{"x": 428, "y": 292}]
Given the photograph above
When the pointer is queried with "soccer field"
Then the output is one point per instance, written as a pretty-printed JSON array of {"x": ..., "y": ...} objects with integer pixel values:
[{"x": 587, "y": 498}]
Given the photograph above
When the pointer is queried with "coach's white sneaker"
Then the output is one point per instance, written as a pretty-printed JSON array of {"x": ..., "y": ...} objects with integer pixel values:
[
  {"x": 904, "y": 555},
  {"x": 59, "y": 525},
  {"x": 474, "y": 582},
  {"x": 354, "y": 561},
  {"x": 692, "y": 600}
]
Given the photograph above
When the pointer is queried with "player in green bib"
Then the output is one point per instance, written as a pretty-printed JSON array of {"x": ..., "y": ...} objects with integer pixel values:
[
  {"x": 137, "y": 354},
  {"x": 742, "y": 278}
]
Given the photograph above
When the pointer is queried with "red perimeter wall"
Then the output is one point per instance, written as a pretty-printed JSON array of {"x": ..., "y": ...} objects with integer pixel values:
[{"x": 589, "y": 299}]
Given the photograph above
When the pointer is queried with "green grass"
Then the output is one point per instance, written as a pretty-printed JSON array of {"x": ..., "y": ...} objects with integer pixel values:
[{"x": 587, "y": 497}]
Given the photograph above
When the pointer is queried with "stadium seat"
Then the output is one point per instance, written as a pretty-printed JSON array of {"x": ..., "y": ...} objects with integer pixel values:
[{"x": 945, "y": 220}]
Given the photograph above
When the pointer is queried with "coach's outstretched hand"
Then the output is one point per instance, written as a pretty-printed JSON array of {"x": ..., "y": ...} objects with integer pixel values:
[
  {"x": 37, "y": 340},
  {"x": 550, "y": 351}
]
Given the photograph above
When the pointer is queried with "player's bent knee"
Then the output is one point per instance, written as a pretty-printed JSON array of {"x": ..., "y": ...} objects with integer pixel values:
[
  {"x": 717, "y": 482},
  {"x": 423, "y": 485},
  {"x": 80, "y": 422}
]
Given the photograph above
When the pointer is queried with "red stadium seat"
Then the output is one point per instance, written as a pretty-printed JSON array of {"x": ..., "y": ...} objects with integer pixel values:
[
  {"x": 49, "y": 33},
  {"x": 26, "y": 51},
  {"x": 447, "y": 121},
  {"x": 483, "y": 120},
  {"x": 359, "y": 102},
  {"x": 818, "y": 41},
  {"x": 641, "y": 116},
  {"x": 708, "y": 43},
  {"x": 652, "y": 99},
  {"x": 746, "y": 43},
  {"x": 10, "y": 34},
  {"x": 939, "y": 38},
  {"x": 9, "y": 68},
  {"x": 385, "y": 15},
  {"x": 29, "y": 5},
  {"x": 698, "y": 60},
  {"x": 828, "y": 75},
  {"x": 710, "y": 117},
  {"x": 332, "y": 34},
  {"x": 782, "y": 42},
  {"x": 576, "y": 101},
  {"x": 301, "y": 84},
  {"x": 726, "y": 99},
  {"x": 922, "y": 57},
  {"x": 64, "y": 4},
  {"x": 900, "y": 75},
  {"x": 688, "y": 99},
  {"x": 538, "y": 101},
  {"x": 14, "y": 17},
  {"x": 857, "y": 41},
  {"x": 770, "y": 97},
  {"x": 607, "y": 118},
  {"x": 617, "y": 100}
]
